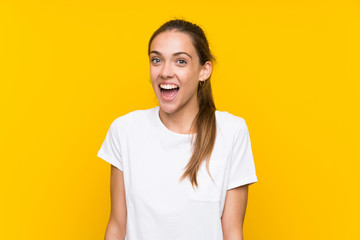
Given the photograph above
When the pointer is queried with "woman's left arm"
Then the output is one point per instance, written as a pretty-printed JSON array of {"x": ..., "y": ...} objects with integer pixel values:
[{"x": 234, "y": 213}]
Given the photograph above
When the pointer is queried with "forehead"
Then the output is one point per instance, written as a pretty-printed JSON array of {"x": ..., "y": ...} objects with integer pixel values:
[{"x": 172, "y": 41}]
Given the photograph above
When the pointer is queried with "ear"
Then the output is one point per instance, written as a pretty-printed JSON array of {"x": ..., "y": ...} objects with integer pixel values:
[{"x": 205, "y": 71}]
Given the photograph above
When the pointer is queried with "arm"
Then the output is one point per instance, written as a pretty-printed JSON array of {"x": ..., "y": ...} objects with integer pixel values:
[
  {"x": 234, "y": 213},
  {"x": 116, "y": 228}
]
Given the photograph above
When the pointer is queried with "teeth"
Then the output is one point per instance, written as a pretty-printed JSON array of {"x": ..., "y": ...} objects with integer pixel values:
[{"x": 168, "y": 86}]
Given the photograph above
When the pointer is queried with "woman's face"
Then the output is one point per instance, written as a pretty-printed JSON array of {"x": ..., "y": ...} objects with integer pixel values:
[{"x": 175, "y": 71}]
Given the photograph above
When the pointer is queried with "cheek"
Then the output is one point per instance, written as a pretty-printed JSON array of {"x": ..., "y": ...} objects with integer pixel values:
[
  {"x": 154, "y": 85},
  {"x": 186, "y": 75},
  {"x": 190, "y": 78},
  {"x": 154, "y": 71}
]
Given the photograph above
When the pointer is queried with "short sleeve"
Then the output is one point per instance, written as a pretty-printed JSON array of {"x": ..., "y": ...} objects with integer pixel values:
[
  {"x": 242, "y": 166},
  {"x": 110, "y": 150}
]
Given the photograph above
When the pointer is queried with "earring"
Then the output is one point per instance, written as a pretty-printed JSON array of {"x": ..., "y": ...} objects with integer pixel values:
[{"x": 202, "y": 83}]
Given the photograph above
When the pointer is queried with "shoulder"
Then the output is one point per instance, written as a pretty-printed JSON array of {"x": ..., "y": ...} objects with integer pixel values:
[
  {"x": 230, "y": 122},
  {"x": 123, "y": 122}
]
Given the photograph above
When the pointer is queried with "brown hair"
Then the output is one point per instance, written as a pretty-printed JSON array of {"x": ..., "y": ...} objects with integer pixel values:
[{"x": 205, "y": 122}]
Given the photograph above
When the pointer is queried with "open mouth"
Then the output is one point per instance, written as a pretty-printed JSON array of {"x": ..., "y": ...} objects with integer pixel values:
[{"x": 168, "y": 90}]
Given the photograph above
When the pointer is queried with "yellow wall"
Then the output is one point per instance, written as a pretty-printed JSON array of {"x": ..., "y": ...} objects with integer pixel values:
[{"x": 290, "y": 68}]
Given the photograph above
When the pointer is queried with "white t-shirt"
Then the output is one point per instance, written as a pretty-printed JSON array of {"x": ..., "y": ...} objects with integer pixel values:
[{"x": 153, "y": 158}]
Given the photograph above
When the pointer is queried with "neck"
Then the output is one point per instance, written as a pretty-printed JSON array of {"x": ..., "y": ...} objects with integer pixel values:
[{"x": 181, "y": 120}]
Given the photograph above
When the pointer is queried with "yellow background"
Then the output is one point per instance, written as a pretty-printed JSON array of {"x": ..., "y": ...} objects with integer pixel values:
[{"x": 289, "y": 68}]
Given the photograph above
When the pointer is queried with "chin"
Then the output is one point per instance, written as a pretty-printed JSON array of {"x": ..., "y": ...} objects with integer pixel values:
[{"x": 167, "y": 108}]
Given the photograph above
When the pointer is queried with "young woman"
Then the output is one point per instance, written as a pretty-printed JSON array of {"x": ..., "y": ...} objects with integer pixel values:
[{"x": 181, "y": 170}]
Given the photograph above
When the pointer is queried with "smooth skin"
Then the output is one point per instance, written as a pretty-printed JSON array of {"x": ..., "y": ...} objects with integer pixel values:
[
  {"x": 174, "y": 60},
  {"x": 234, "y": 213},
  {"x": 116, "y": 228}
]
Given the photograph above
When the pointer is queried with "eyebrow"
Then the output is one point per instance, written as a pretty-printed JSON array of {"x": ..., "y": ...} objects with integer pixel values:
[{"x": 175, "y": 54}]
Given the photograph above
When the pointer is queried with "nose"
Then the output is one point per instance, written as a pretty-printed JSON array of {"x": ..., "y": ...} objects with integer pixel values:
[{"x": 166, "y": 71}]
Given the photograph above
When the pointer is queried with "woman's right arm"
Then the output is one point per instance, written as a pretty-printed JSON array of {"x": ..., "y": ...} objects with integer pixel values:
[{"x": 116, "y": 228}]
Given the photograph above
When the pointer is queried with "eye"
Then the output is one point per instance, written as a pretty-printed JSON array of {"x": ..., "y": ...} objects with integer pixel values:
[
  {"x": 155, "y": 60},
  {"x": 181, "y": 61}
]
